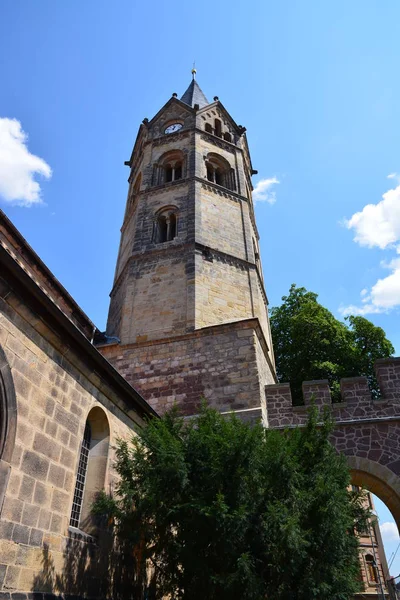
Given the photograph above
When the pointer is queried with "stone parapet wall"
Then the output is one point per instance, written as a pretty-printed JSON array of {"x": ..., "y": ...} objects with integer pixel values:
[
  {"x": 356, "y": 400},
  {"x": 366, "y": 431}
]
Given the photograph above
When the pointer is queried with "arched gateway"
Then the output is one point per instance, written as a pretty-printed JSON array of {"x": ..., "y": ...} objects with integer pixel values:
[{"x": 367, "y": 430}]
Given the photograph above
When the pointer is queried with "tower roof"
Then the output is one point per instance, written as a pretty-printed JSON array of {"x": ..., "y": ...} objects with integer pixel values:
[{"x": 194, "y": 95}]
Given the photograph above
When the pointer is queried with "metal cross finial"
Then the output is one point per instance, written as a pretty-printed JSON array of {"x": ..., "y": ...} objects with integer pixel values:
[{"x": 194, "y": 70}]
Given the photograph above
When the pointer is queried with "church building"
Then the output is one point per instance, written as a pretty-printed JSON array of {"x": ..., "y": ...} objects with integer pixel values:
[
  {"x": 188, "y": 314},
  {"x": 188, "y": 320}
]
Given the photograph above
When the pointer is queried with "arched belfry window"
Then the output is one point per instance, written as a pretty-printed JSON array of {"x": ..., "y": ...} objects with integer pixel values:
[
  {"x": 170, "y": 167},
  {"x": 217, "y": 128},
  {"x": 92, "y": 468},
  {"x": 220, "y": 172},
  {"x": 208, "y": 128},
  {"x": 165, "y": 226},
  {"x": 227, "y": 137}
]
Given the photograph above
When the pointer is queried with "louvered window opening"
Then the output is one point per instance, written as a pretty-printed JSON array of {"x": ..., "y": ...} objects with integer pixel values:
[{"x": 80, "y": 478}]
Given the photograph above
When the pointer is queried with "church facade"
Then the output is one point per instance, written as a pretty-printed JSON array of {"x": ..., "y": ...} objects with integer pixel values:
[{"x": 188, "y": 320}]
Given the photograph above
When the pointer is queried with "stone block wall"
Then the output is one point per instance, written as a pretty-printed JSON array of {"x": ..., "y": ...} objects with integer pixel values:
[
  {"x": 225, "y": 364},
  {"x": 222, "y": 291},
  {"x": 54, "y": 392}
]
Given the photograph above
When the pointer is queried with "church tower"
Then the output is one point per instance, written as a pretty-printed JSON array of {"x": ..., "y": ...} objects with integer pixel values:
[{"x": 188, "y": 314}]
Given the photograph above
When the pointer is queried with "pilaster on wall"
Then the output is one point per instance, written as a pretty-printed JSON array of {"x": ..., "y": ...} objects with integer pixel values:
[{"x": 356, "y": 400}]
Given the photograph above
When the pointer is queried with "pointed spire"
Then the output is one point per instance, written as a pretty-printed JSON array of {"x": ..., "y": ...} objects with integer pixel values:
[{"x": 194, "y": 94}]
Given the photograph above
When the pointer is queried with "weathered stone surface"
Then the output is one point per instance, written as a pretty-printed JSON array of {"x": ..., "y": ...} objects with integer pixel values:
[{"x": 53, "y": 399}]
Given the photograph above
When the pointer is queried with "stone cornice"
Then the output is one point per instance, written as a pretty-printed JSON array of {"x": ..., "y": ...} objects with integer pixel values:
[{"x": 177, "y": 246}]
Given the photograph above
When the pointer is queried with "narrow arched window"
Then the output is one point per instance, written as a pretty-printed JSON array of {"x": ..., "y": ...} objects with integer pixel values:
[
  {"x": 372, "y": 570},
  {"x": 81, "y": 477},
  {"x": 92, "y": 468},
  {"x": 165, "y": 229},
  {"x": 227, "y": 137},
  {"x": 217, "y": 128},
  {"x": 219, "y": 171},
  {"x": 169, "y": 168},
  {"x": 208, "y": 128}
]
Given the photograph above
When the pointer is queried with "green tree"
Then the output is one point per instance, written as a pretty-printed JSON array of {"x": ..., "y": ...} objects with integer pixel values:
[
  {"x": 310, "y": 343},
  {"x": 223, "y": 510}
]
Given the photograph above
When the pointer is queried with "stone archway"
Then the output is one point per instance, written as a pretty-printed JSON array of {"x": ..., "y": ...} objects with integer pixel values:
[
  {"x": 8, "y": 422},
  {"x": 379, "y": 480},
  {"x": 366, "y": 430}
]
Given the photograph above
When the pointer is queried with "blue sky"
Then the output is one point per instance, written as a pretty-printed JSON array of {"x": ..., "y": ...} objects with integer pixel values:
[{"x": 315, "y": 83}]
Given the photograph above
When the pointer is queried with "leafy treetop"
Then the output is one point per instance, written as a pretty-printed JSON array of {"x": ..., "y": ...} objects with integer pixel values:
[
  {"x": 221, "y": 510},
  {"x": 310, "y": 343}
]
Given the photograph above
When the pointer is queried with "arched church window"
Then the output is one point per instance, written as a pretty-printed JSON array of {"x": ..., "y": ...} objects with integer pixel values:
[
  {"x": 220, "y": 172},
  {"x": 372, "y": 570},
  {"x": 217, "y": 128},
  {"x": 208, "y": 128},
  {"x": 227, "y": 137},
  {"x": 92, "y": 468},
  {"x": 169, "y": 168},
  {"x": 165, "y": 229}
]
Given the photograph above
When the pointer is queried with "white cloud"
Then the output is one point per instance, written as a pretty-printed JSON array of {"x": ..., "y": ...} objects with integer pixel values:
[
  {"x": 18, "y": 167},
  {"x": 263, "y": 193},
  {"x": 383, "y": 296},
  {"x": 378, "y": 225},
  {"x": 389, "y": 531}
]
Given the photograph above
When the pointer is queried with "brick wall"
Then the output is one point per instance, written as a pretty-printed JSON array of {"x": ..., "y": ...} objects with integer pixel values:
[
  {"x": 219, "y": 363},
  {"x": 366, "y": 430}
]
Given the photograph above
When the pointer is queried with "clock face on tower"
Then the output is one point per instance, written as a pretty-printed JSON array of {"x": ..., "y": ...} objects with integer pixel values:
[{"x": 172, "y": 128}]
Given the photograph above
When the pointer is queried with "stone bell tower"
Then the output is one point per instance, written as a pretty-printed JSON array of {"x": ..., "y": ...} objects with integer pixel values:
[{"x": 188, "y": 313}]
